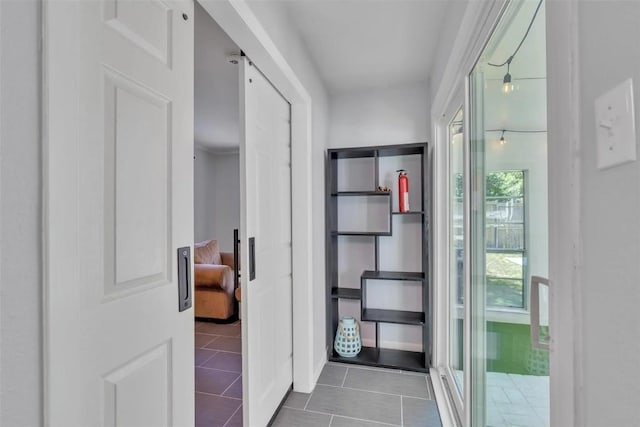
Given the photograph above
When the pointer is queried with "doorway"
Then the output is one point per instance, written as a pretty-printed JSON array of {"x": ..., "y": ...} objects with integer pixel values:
[
  {"x": 243, "y": 327},
  {"x": 496, "y": 357},
  {"x": 218, "y": 337},
  {"x": 508, "y": 233}
]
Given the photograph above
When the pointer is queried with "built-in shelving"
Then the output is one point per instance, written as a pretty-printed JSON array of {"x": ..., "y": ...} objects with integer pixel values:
[{"x": 377, "y": 355}]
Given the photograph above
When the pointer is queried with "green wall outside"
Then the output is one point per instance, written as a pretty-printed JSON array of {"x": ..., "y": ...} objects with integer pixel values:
[{"x": 509, "y": 350}]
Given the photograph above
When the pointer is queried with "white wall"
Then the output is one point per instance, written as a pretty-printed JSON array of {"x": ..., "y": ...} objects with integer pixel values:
[
  {"x": 216, "y": 197},
  {"x": 20, "y": 215},
  {"x": 450, "y": 25},
  {"x": 393, "y": 115},
  {"x": 274, "y": 17},
  {"x": 610, "y": 229}
]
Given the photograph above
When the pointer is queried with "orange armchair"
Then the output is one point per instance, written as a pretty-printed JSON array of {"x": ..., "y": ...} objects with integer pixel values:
[{"x": 213, "y": 281}]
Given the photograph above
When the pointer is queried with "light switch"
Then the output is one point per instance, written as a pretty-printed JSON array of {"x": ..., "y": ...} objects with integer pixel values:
[{"x": 615, "y": 126}]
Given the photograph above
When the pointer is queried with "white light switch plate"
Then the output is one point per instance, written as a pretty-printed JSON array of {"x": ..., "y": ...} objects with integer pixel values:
[{"x": 615, "y": 126}]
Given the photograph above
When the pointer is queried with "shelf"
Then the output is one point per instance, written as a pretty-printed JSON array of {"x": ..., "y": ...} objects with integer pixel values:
[
  {"x": 380, "y": 151},
  {"x": 355, "y": 207},
  {"x": 408, "y": 213},
  {"x": 406, "y": 150},
  {"x": 361, "y": 193},
  {"x": 393, "y": 316},
  {"x": 393, "y": 275},
  {"x": 345, "y": 293},
  {"x": 385, "y": 358},
  {"x": 361, "y": 233}
]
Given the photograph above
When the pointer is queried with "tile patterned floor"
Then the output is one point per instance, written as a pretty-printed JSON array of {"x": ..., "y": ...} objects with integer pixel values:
[
  {"x": 218, "y": 360},
  {"x": 517, "y": 400},
  {"x": 345, "y": 396},
  {"x": 356, "y": 396}
]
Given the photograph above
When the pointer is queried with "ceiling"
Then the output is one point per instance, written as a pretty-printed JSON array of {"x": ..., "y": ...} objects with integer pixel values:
[
  {"x": 216, "y": 124},
  {"x": 357, "y": 44},
  {"x": 354, "y": 44},
  {"x": 370, "y": 43}
]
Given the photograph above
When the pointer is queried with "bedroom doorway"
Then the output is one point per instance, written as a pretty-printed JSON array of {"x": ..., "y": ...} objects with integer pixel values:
[
  {"x": 216, "y": 154},
  {"x": 242, "y": 174}
]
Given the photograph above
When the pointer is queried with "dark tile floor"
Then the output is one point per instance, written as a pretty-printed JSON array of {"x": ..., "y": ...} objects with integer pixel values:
[
  {"x": 218, "y": 360},
  {"x": 356, "y": 396},
  {"x": 345, "y": 396}
]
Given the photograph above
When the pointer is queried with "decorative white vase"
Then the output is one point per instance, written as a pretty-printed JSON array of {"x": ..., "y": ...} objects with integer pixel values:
[{"x": 347, "y": 342}]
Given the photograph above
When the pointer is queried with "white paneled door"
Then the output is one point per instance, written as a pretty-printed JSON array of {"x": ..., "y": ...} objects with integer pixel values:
[
  {"x": 265, "y": 200},
  {"x": 118, "y": 174}
]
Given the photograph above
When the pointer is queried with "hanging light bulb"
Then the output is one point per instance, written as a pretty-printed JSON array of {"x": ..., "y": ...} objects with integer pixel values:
[
  {"x": 502, "y": 140},
  {"x": 507, "y": 86}
]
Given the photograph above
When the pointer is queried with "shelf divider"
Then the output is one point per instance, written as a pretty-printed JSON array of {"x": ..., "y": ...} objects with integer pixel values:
[
  {"x": 385, "y": 358},
  {"x": 393, "y": 275},
  {"x": 361, "y": 193},
  {"x": 361, "y": 233},
  {"x": 408, "y": 213},
  {"x": 393, "y": 316},
  {"x": 345, "y": 293}
]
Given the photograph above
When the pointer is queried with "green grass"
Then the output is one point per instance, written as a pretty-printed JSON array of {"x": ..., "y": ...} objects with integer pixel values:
[
  {"x": 504, "y": 280},
  {"x": 504, "y": 292}
]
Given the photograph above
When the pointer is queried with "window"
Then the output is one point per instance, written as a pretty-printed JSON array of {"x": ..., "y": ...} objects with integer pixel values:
[{"x": 505, "y": 239}]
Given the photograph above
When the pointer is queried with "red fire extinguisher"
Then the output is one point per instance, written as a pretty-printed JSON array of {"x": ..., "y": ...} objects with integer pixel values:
[{"x": 403, "y": 190}]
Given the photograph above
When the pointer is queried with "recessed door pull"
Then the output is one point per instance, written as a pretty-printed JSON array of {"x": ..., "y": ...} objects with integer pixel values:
[
  {"x": 252, "y": 258},
  {"x": 184, "y": 278}
]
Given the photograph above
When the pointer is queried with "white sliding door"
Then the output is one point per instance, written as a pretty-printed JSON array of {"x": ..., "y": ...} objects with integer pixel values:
[
  {"x": 265, "y": 201},
  {"x": 118, "y": 175}
]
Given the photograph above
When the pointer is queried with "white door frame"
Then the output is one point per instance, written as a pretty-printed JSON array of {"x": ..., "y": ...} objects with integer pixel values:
[
  {"x": 564, "y": 190},
  {"x": 475, "y": 30},
  {"x": 236, "y": 18}
]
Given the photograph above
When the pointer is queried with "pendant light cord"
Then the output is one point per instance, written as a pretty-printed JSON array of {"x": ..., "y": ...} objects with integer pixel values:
[{"x": 509, "y": 59}]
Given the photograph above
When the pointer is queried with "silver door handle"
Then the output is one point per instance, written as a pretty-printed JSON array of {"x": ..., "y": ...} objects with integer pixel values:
[{"x": 534, "y": 292}]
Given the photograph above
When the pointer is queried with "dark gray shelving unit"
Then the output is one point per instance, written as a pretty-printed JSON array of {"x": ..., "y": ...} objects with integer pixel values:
[{"x": 377, "y": 356}]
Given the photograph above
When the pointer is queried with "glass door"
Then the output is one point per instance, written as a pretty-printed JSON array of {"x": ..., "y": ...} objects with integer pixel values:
[
  {"x": 508, "y": 214},
  {"x": 456, "y": 252}
]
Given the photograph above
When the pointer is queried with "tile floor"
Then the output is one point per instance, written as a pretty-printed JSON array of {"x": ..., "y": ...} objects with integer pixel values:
[
  {"x": 218, "y": 360},
  {"x": 345, "y": 396},
  {"x": 516, "y": 400},
  {"x": 355, "y": 396}
]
